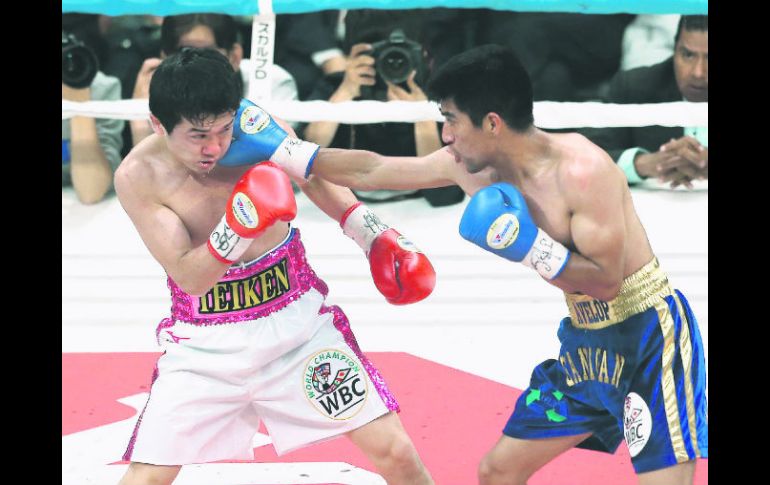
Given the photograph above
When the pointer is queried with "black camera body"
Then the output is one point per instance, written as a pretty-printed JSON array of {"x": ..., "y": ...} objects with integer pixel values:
[
  {"x": 79, "y": 63},
  {"x": 394, "y": 59}
]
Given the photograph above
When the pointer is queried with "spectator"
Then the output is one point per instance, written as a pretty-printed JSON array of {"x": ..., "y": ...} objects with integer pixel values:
[
  {"x": 676, "y": 156},
  {"x": 216, "y": 31},
  {"x": 130, "y": 39},
  {"x": 567, "y": 55},
  {"x": 90, "y": 147},
  {"x": 360, "y": 81}
]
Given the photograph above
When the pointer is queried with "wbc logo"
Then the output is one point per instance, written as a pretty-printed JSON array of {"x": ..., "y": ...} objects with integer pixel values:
[
  {"x": 334, "y": 384},
  {"x": 637, "y": 422}
]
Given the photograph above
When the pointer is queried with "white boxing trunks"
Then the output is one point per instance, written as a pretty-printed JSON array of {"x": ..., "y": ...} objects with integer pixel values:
[{"x": 261, "y": 345}]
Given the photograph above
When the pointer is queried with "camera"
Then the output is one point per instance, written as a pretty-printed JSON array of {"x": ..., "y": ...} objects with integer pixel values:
[
  {"x": 78, "y": 62},
  {"x": 394, "y": 59}
]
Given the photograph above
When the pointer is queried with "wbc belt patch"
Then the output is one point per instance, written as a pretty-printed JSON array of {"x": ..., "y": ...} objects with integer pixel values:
[
  {"x": 637, "y": 422},
  {"x": 335, "y": 384}
]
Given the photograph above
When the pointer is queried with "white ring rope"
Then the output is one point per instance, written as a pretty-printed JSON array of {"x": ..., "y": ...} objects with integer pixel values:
[{"x": 548, "y": 114}]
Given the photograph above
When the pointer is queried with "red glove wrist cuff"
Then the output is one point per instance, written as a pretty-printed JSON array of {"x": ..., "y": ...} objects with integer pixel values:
[{"x": 348, "y": 212}]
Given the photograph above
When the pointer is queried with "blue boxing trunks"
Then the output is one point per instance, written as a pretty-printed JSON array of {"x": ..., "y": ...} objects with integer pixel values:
[{"x": 632, "y": 368}]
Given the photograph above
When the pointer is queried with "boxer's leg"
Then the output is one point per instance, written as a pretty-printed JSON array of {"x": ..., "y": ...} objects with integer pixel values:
[
  {"x": 512, "y": 461},
  {"x": 386, "y": 443}
]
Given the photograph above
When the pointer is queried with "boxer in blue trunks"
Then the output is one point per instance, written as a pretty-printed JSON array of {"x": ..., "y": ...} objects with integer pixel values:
[
  {"x": 631, "y": 365},
  {"x": 622, "y": 374}
]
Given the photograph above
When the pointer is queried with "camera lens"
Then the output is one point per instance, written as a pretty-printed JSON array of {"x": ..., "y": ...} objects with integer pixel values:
[
  {"x": 78, "y": 64},
  {"x": 394, "y": 64}
]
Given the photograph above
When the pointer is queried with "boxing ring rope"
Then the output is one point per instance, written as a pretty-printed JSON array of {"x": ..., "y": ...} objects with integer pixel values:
[{"x": 547, "y": 114}]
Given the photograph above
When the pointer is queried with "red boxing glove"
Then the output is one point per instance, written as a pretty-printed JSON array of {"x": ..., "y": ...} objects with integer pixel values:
[
  {"x": 260, "y": 198},
  {"x": 401, "y": 272}
]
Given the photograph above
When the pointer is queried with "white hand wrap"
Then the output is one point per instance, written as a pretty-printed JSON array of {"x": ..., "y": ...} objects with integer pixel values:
[
  {"x": 225, "y": 244},
  {"x": 363, "y": 226},
  {"x": 295, "y": 157},
  {"x": 546, "y": 256}
]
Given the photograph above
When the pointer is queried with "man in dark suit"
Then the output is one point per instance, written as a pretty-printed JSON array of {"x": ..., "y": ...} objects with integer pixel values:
[{"x": 675, "y": 155}]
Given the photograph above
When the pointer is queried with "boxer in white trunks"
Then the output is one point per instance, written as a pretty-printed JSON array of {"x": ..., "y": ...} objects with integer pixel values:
[{"x": 250, "y": 338}]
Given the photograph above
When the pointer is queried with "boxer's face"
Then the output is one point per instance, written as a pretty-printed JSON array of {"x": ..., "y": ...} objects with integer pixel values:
[
  {"x": 465, "y": 140},
  {"x": 691, "y": 65},
  {"x": 200, "y": 145}
]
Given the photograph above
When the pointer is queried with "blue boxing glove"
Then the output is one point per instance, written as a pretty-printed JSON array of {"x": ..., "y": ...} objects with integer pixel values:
[
  {"x": 497, "y": 219},
  {"x": 257, "y": 137}
]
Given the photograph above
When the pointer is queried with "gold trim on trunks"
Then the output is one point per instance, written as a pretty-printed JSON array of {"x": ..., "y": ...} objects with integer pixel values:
[
  {"x": 639, "y": 292},
  {"x": 668, "y": 382}
]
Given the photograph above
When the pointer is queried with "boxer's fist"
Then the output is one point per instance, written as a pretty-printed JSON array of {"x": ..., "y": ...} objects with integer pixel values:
[
  {"x": 497, "y": 219},
  {"x": 261, "y": 197},
  {"x": 256, "y": 137},
  {"x": 401, "y": 272}
]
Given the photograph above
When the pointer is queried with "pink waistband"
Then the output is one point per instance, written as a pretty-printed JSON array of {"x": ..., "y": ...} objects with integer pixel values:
[{"x": 260, "y": 288}]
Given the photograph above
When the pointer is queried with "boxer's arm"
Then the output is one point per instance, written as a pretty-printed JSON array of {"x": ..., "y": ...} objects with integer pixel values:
[
  {"x": 366, "y": 170},
  {"x": 194, "y": 269},
  {"x": 595, "y": 195},
  {"x": 401, "y": 272},
  {"x": 332, "y": 199}
]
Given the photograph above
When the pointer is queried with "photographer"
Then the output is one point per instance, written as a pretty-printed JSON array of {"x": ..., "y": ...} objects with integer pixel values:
[
  {"x": 90, "y": 147},
  {"x": 370, "y": 35},
  {"x": 205, "y": 30}
]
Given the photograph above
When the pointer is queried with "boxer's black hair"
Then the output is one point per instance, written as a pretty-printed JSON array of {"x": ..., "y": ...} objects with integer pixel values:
[
  {"x": 194, "y": 84},
  {"x": 488, "y": 78}
]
